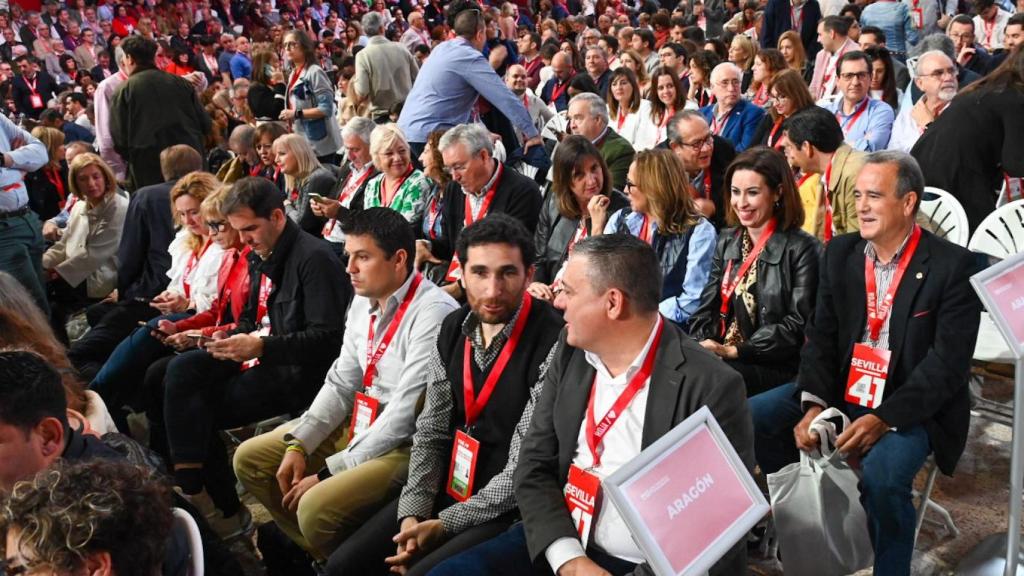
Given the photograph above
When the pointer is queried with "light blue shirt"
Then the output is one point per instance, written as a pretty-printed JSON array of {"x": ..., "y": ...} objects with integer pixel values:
[
  {"x": 28, "y": 158},
  {"x": 447, "y": 88},
  {"x": 895, "y": 20},
  {"x": 698, "y": 263},
  {"x": 871, "y": 130}
]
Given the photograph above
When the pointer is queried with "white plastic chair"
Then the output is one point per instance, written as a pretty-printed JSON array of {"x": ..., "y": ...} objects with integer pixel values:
[
  {"x": 1001, "y": 233},
  {"x": 943, "y": 215},
  {"x": 185, "y": 523}
]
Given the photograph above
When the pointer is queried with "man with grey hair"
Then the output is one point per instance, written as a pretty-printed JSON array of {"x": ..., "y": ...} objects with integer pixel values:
[
  {"x": 385, "y": 70},
  {"x": 102, "y": 99},
  {"x": 732, "y": 117},
  {"x": 705, "y": 158},
  {"x": 357, "y": 171},
  {"x": 610, "y": 299},
  {"x": 480, "y": 185},
  {"x": 935, "y": 76},
  {"x": 588, "y": 117},
  {"x": 595, "y": 59},
  {"x": 895, "y": 362}
]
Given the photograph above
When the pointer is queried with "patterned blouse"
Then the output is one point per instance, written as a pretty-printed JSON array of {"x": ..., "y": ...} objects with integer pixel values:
[{"x": 409, "y": 199}]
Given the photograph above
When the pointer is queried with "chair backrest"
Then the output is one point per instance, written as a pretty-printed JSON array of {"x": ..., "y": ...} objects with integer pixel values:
[
  {"x": 1001, "y": 233},
  {"x": 186, "y": 524},
  {"x": 942, "y": 215}
]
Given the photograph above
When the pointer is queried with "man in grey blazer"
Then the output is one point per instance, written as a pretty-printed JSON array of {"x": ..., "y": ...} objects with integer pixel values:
[{"x": 632, "y": 375}]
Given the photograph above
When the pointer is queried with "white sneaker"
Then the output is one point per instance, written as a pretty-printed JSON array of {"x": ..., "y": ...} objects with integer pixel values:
[{"x": 225, "y": 527}]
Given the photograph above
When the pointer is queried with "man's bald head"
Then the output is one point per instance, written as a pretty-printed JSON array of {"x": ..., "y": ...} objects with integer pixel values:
[
  {"x": 516, "y": 79},
  {"x": 561, "y": 65}
]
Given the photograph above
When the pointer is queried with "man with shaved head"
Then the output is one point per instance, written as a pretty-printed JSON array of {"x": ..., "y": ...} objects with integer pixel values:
[{"x": 556, "y": 92}]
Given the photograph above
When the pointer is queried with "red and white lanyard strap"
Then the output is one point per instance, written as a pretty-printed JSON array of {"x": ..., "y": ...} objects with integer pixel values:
[
  {"x": 665, "y": 117},
  {"x": 852, "y": 120},
  {"x": 476, "y": 404},
  {"x": 772, "y": 142},
  {"x": 261, "y": 299},
  {"x": 351, "y": 185},
  {"x": 596, "y": 431},
  {"x": 386, "y": 200},
  {"x": 729, "y": 286},
  {"x": 879, "y": 311},
  {"x": 645, "y": 230},
  {"x": 488, "y": 198},
  {"x": 433, "y": 213},
  {"x": 718, "y": 125},
  {"x": 830, "y": 229},
  {"x": 620, "y": 121},
  {"x": 989, "y": 29},
  {"x": 829, "y": 73},
  {"x": 291, "y": 83},
  {"x": 193, "y": 259},
  {"x": 373, "y": 356}
]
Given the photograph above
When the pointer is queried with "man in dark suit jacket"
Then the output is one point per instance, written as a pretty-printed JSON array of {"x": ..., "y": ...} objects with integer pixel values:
[
  {"x": 779, "y": 16},
  {"x": 31, "y": 89},
  {"x": 923, "y": 403},
  {"x": 613, "y": 327},
  {"x": 688, "y": 138}
]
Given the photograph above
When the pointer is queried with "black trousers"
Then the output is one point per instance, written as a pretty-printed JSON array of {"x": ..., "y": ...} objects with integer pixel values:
[
  {"x": 110, "y": 324},
  {"x": 65, "y": 300},
  {"x": 762, "y": 377},
  {"x": 364, "y": 552}
]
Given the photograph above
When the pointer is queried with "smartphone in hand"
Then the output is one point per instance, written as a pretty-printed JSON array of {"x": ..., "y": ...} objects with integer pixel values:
[{"x": 153, "y": 330}]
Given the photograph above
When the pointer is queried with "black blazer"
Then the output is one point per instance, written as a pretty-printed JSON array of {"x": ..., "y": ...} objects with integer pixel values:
[
  {"x": 685, "y": 378},
  {"x": 22, "y": 95},
  {"x": 554, "y": 232},
  {"x": 787, "y": 281},
  {"x": 933, "y": 327}
]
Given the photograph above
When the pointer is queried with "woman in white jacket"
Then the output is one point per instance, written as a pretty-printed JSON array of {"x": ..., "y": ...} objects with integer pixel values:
[
  {"x": 82, "y": 265},
  {"x": 667, "y": 98},
  {"x": 628, "y": 112}
]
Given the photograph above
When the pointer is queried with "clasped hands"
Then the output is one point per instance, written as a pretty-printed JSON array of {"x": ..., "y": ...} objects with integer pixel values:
[{"x": 854, "y": 442}]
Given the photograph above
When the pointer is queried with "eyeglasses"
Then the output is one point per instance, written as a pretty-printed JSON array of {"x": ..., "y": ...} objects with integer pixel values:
[
  {"x": 699, "y": 145},
  {"x": 938, "y": 74},
  {"x": 460, "y": 168},
  {"x": 217, "y": 225},
  {"x": 848, "y": 76},
  {"x": 628, "y": 185},
  {"x": 779, "y": 97},
  {"x": 728, "y": 83}
]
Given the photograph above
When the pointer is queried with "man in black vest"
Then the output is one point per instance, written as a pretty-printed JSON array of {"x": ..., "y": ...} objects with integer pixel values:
[
  {"x": 618, "y": 356},
  {"x": 443, "y": 510}
]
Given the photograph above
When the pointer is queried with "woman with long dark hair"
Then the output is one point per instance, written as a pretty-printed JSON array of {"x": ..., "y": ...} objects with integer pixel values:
[{"x": 764, "y": 276}]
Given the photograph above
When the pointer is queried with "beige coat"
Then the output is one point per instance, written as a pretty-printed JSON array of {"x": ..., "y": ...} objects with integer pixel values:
[
  {"x": 88, "y": 249},
  {"x": 846, "y": 164}
]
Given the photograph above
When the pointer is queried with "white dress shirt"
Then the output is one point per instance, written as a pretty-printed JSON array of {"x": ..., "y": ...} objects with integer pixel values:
[
  {"x": 620, "y": 444},
  {"x": 101, "y": 113},
  {"x": 399, "y": 380},
  {"x": 203, "y": 275}
]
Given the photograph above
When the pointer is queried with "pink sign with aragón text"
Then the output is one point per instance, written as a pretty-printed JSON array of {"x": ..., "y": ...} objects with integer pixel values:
[
  {"x": 689, "y": 498},
  {"x": 1006, "y": 292}
]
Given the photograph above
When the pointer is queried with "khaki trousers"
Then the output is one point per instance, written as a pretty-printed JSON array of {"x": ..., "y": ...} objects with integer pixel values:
[{"x": 333, "y": 509}]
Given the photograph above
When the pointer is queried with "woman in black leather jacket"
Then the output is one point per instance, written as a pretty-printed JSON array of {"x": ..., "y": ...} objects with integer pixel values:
[
  {"x": 580, "y": 179},
  {"x": 770, "y": 300}
]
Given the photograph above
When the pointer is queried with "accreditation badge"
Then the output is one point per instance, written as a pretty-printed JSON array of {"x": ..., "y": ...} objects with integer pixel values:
[
  {"x": 917, "y": 18},
  {"x": 581, "y": 496},
  {"x": 869, "y": 369},
  {"x": 36, "y": 101},
  {"x": 363, "y": 414},
  {"x": 462, "y": 470}
]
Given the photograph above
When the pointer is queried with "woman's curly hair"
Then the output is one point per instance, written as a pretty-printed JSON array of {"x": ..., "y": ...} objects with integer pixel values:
[{"x": 72, "y": 510}]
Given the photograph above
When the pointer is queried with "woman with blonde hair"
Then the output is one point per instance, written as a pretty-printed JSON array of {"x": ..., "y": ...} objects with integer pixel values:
[
  {"x": 792, "y": 49},
  {"x": 662, "y": 212},
  {"x": 48, "y": 186},
  {"x": 399, "y": 186},
  {"x": 82, "y": 265},
  {"x": 741, "y": 53},
  {"x": 304, "y": 179}
]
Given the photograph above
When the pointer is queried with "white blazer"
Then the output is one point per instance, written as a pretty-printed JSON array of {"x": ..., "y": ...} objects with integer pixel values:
[{"x": 88, "y": 249}]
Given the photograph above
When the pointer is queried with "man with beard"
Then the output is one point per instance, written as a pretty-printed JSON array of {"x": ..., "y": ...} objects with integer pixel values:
[
  {"x": 936, "y": 78},
  {"x": 484, "y": 376}
]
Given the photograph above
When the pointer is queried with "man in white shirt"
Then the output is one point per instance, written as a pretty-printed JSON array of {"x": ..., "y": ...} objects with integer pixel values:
[
  {"x": 517, "y": 81},
  {"x": 320, "y": 476},
  {"x": 935, "y": 75},
  {"x": 990, "y": 24},
  {"x": 417, "y": 34},
  {"x": 833, "y": 35},
  {"x": 616, "y": 351},
  {"x": 101, "y": 115}
]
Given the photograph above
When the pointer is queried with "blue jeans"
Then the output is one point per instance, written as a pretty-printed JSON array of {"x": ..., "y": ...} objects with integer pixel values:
[
  {"x": 119, "y": 382},
  {"x": 507, "y": 555},
  {"x": 887, "y": 472}
]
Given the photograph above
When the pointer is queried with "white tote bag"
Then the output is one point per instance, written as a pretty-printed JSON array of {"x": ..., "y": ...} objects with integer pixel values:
[{"x": 821, "y": 526}]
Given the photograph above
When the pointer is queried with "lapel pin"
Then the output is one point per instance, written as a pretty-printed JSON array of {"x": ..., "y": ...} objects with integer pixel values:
[{"x": 920, "y": 275}]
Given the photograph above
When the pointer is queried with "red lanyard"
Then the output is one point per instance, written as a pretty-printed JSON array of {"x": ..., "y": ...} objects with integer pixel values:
[
  {"x": 373, "y": 356},
  {"x": 645, "y": 230},
  {"x": 53, "y": 175},
  {"x": 384, "y": 188},
  {"x": 829, "y": 74},
  {"x": 729, "y": 286},
  {"x": 761, "y": 96},
  {"x": 557, "y": 91},
  {"x": 717, "y": 128},
  {"x": 879, "y": 311},
  {"x": 852, "y": 120},
  {"x": 771, "y": 136},
  {"x": 190, "y": 265},
  {"x": 581, "y": 233},
  {"x": 803, "y": 179},
  {"x": 475, "y": 405},
  {"x": 796, "y": 21},
  {"x": 665, "y": 117},
  {"x": 32, "y": 86},
  {"x": 829, "y": 225},
  {"x": 292, "y": 81},
  {"x": 487, "y": 199},
  {"x": 261, "y": 300},
  {"x": 526, "y": 102},
  {"x": 621, "y": 120},
  {"x": 433, "y": 213},
  {"x": 989, "y": 29},
  {"x": 597, "y": 430}
]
